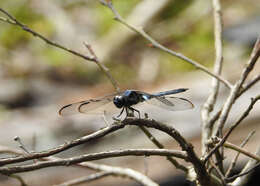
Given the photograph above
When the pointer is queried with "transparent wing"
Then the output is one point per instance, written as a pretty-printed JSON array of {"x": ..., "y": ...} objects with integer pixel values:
[
  {"x": 104, "y": 106},
  {"x": 70, "y": 109},
  {"x": 171, "y": 103},
  {"x": 91, "y": 106}
]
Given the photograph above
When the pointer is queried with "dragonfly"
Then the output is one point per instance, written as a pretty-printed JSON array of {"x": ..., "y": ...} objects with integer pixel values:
[{"x": 127, "y": 100}]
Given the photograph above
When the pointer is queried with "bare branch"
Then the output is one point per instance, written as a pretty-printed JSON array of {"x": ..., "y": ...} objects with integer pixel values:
[
  {"x": 160, "y": 146},
  {"x": 35, "y": 155},
  {"x": 233, "y": 163},
  {"x": 102, "y": 67},
  {"x": 191, "y": 156},
  {"x": 93, "y": 136},
  {"x": 237, "y": 88},
  {"x": 111, "y": 170},
  {"x": 241, "y": 150},
  {"x": 85, "y": 179},
  {"x": 242, "y": 174},
  {"x": 91, "y": 157},
  {"x": 199, "y": 167},
  {"x": 21, "y": 145},
  {"x": 12, "y": 20},
  {"x": 155, "y": 44},
  {"x": 3, "y": 19},
  {"x": 209, "y": 104},
  {"x": 27, "y": 29},
  {"x": 249, "y": 84},
  {"x": 221, "y": 176},
  {"x": 243, "y": 116},
  {"x": 250, "y": 164},
  {"x": 119, "y": 171}
]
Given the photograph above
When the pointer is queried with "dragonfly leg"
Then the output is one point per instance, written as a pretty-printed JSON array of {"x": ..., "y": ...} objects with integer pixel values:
[
  {"x": 133, "y": 109},
  {"x": 121, "y": 112}
]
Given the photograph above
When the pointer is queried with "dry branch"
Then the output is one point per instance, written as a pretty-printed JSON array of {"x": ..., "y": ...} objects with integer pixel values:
[
  {"x": 223, "y": 140},
  {"x": 12, "y": 20},
  {"x": 237, "y": 88},
  {"x": 233, "y": 163},
  {"x": 91, "y": 157},
  {"x": 155, "y": 44},
  {"x": 85, "y": 179},
  {"x": 110, "y": 170},
  {"x": 208, "y": 106}
]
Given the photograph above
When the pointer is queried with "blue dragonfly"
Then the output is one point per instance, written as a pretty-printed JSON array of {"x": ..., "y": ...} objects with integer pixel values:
[{"x": 127, "y": 100}]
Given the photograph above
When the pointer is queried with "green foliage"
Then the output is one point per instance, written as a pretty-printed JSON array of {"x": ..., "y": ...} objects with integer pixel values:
[
  {"x": 10, "y": 35},
  {"x": 105, "y": 17},
  {"x": 174, "y": 8},
  {"x": 55, "y": 57},
  {"x": 123, "y": 73}
]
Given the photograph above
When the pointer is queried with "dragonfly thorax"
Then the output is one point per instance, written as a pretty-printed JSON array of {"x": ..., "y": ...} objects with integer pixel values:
[{"x": 127, "y": 99}]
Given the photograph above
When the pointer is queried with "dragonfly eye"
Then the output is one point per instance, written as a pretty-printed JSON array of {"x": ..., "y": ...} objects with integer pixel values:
[{"x": 118, "y": 101}]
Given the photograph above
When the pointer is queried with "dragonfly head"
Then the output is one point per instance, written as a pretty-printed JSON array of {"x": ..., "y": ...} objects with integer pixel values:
[{"x": 118, "y": 101}]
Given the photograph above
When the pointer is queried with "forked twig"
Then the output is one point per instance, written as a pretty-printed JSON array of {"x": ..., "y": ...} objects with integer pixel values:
[
  {"x": 12, "y": 20},
  {"x": 112, "y": 170},
  {"x": 243, "y": 116},
  {"x": 155, "y": 44},
  {"x": 242, "y": 174},
  {"x": 208, "y": 106},
  {"x": 236, "y": 89},
  {"x": 249, "y": 165},
  {"x": 160, "y": 146},
  {"x": 85, "y": 179},
  {"x": 233, "y": 162},
  {"x": 241, "y": 150}
]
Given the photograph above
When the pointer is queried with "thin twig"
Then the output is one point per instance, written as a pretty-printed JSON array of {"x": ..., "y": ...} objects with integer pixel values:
[
  {"x": 114, "y": 171},
  {"x": 102, "y": 67},
  {"x": 242, "y": 174},
  {"x": 27, "y": 29},
  {"x": 221, "y": 176},
  {"x": 12, "y": 20},
  {"x": 161, "y": 47},
  {"x": 250, "y": 164},
  {"x": 3, "y": 19},
  {"x": 237, "y": 88},
  {"x": 160, "y": 146},
  {"x": 123, "y": 172},
  {"x": 243, "y": 116},
  {"x": 35, "y": 155},
  {"x": 250, "y": 84},
  {"x": 188, "y": 152},
  {"x": 101, "y": 133},
  {"x": 209, "y": 104},
  {"x": 247, "y": 86},
  {"x": 91, "y": 157},
  {"x": 85, "y": 179},
  {"x": 241, "y": 150},
  {"x": 233, "y": 162},
  {"x": 199, "y": 167},
  {"x": 21, "y": 145}
]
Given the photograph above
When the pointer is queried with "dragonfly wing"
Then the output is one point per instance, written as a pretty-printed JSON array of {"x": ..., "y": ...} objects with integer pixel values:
[
  {"x": 171, "y": 103},
  {"x": 103, "y": 106},
  {"x": 70, "y": 109},
  {"x": 91, "y": 106}
]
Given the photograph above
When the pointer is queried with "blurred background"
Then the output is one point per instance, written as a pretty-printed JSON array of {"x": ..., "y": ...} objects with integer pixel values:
[{"x": 37, "y": 79}]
